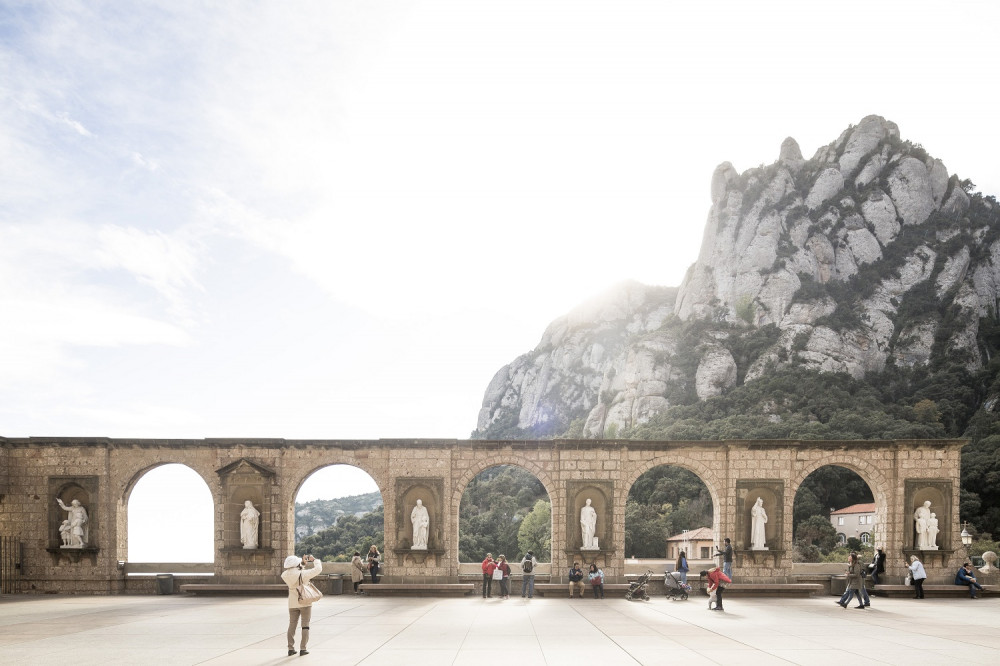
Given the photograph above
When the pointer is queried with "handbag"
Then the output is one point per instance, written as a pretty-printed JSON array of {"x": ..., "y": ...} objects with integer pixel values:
[
  {"x": 909, "y": 579},
  {"x": 498, "y": 574},
  {"x": 307, "y": 592}
]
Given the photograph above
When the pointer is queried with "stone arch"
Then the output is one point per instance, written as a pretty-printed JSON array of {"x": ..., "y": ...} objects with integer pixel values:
[
  {"x": 481, "y": 464},
  {"x": 869, "y": 473},
  {"x": 300, "y": 479},
  {"x": 182, "y": 523},
  {"x": 697, "y": 467}
]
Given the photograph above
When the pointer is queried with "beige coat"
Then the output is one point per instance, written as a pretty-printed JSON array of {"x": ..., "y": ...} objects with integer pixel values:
[
  {"x": 357, "y": 569},
  {"x": 291, "y": 578}
]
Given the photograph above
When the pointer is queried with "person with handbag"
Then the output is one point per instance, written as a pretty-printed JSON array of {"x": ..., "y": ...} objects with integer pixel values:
[
  {"x": 300, "y": 600},
  {"x": 596, "y": 577},
  {"x": 489, "y": 566},
  {"x": 918, "y": 575},
  {"x": 504, "y": 578},
  {"x": 357, "y": 571}
]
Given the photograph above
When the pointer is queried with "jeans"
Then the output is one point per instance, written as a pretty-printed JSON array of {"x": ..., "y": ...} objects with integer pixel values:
[
  {"x": 305, "y": 612},
  {"x": 487, "y": 585},
  {"x": 528, "y": 584},
  {"x": 973, "y": 587},
  {"x": 598, "y": 589},
  {"x": 505, "y": 587},
  {"x": 727, "y": 568},
  {"x": 848, "y": 593}
]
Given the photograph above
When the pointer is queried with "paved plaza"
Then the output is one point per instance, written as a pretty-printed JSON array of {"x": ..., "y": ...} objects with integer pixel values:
[{"x": 472, "y": 631}]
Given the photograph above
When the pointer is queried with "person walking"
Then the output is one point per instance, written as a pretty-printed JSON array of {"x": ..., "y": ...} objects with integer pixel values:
[
  {"x": 528, "y": 566},
  {"x": 357, "y": 571},
  {"x": 682, "y": 566},
  {"x": 505, "y": 581},
  {"x": 373, "y": 562},
  {"x": 298, "y": 611},
  {"x": 596, "y": 577},
  {"x": 488, "y": 566},
  {"x": 854, "y": 582},
  {"x": 877, "y": 566},
  {"x": 918, "y": 575},
  {"x": 964, "y": 577}
]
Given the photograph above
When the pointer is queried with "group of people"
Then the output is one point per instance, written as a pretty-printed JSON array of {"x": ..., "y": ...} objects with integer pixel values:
[
  {"x": 371, "y": 563},
  {"x": 594, "y": 576},
  {"x": 499, "y": 570}
]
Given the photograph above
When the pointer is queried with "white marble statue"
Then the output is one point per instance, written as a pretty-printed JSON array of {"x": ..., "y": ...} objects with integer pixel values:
[
  {"x": 588, "y": 526},
  {"x": 920, "y": 517},
  {"x": 932, "y": 532},
  {"x": 989, "y": 562},
  {"x": 249, "y": 524},
  {"x": 421, "y": 524},
  {"x": 66, "y": 533},
  {"x": 758, "y": 519},
  {"x": 78, "y": 527}
]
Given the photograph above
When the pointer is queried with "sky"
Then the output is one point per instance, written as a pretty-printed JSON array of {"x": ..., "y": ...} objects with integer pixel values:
[{"x": 333, "y": 219}]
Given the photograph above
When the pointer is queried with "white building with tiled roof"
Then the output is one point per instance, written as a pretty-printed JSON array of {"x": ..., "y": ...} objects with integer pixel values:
[
  {"x": 857, "y": 520},
  {"x": 699, "y": 544}
]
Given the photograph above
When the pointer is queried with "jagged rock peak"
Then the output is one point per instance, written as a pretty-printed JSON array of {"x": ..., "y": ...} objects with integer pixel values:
[
  {"x": 791, "y": 154},
  {"x": 724, "y": 176}
]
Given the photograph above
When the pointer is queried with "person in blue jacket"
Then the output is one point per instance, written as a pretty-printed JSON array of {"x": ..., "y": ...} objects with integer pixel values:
[
  {"x": 682, "y": 566},
  {"x": 965, "y": 577}
]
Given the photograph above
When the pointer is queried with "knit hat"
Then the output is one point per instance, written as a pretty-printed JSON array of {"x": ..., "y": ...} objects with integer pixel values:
[{"x": 292, "y": 561}]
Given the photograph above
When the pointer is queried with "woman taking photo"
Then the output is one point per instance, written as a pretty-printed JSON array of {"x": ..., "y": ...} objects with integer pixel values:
[{"x": 373, "y": 561}]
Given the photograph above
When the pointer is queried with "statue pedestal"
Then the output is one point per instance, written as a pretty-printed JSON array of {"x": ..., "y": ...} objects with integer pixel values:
[
  {"x": 419, "y": 556},
  {"x": 72, "y": 554}
]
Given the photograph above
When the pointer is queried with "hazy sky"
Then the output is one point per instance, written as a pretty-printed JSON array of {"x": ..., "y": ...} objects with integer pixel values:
[{"x": 339, "y": 219}]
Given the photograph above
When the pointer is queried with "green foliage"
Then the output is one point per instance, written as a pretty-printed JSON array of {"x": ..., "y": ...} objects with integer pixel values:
[
  {"x": 494, "y": 505},
  {"x": 350, "y": 534},
  {"x": 662, "y": 502},
  {"x": 745, "y": 309},
  {"x": 535, "y": 533},
  {"x": 816, "y": 531},
  {"x": 312, "y": 517}
]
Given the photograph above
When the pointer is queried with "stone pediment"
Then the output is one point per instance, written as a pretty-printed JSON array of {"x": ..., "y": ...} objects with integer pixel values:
[{"x": 244, "y": 465}]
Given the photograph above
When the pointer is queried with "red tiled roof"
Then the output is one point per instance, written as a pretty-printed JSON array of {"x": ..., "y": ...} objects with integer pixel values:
[
  {"x": 856, "y": 508},
  {"x": 698, "y": 534}
]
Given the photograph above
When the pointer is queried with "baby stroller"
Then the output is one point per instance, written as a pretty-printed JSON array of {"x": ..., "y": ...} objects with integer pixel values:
[
  {"x": 637, "y": 588},
  {"x": 675, "y": 588}
]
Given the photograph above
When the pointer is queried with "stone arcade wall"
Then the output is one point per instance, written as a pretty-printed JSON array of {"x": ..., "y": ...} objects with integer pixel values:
[{"x": 102, "y": 473}]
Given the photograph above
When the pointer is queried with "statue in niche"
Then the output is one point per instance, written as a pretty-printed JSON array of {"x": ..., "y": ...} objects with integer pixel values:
[
  {"x": 79, "y": 530},
  {"x": 921, "y": 517},
  {"x": 758, "y": 519},
  {"x": 932, "y": 532},
  {"x": 66, "y": 533},
  {"x": 421, "y": 525},
  {"x": 249, "y": 526},
  {"x": 588, "y": 526}
]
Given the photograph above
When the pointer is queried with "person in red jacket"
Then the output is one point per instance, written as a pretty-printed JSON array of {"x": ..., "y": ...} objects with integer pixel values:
[
  {"x": 716, "y": 579},
  {"x": 488, "y": 566}
]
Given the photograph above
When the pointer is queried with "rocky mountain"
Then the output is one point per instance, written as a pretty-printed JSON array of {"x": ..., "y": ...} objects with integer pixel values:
[{"x": 867, "y": 256}]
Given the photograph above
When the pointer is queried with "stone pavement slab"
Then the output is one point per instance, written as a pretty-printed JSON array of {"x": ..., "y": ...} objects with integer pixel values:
[{"x": 385, "y": 631}]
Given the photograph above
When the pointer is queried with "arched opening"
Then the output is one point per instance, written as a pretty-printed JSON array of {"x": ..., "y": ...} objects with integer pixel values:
[
  {"x": 170, "y": 517},
  {"x": 339, "y": 511},
  {"x": 669, "y": 510},
  {"x": 506, "y": 510},
  {"x": 834, "y": 513}
]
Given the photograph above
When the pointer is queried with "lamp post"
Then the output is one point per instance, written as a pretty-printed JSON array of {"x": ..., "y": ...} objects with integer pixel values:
[{"x": 966, "y": 537}]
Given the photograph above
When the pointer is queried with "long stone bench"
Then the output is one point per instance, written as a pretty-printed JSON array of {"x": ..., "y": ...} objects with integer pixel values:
[
  {"x": 418, "y": 589},
  {"x": 773, "y": 589},
  {"x": 934, "y": 590},
  {"x": 562, "y": 589},
  {"x": 233, "y": 588}
]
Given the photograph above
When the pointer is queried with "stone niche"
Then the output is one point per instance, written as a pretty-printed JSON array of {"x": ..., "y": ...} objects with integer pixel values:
[
  {"x": 241, "y": 481},
  {"x": 431, "y": 493},
  {"x": 772, "y": 492},
  {"x": 601, "y": 496},
  {"x": 938, "y": 493},
  {"x": 68, "y": 488}
]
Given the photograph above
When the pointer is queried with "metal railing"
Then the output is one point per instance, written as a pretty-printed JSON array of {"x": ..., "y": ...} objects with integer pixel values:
[{"x": 10, "y": 565}]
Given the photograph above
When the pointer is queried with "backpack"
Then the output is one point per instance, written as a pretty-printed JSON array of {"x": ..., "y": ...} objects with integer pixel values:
[{"x": 526, "y": 566}]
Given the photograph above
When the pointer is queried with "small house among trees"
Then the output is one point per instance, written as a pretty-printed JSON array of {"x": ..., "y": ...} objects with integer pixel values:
[{"x": 857, "y": 521}]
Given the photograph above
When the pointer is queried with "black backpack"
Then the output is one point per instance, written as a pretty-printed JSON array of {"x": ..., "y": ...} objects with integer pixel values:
[{"x": 526, "y": 566}]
